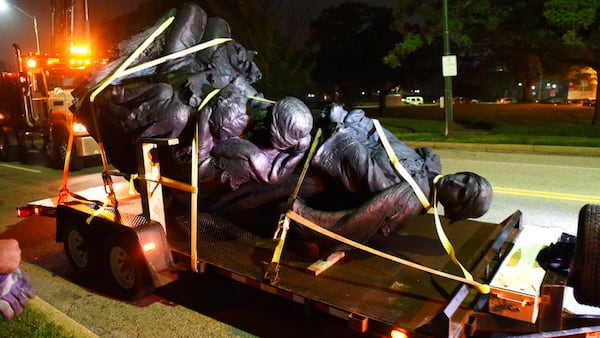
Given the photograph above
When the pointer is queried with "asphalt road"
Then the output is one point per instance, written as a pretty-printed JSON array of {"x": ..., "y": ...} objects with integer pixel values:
[{"x": 548, "y": 189}]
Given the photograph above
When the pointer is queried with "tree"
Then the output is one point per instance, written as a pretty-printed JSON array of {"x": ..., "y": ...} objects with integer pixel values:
[
  {"x": 349, "y": 42},
  {"x": 277, "y": 31},
  {"x": 578, "y": 22},
  {"x": 508, "y": 33},
  {"x": 485, "y": 34}
]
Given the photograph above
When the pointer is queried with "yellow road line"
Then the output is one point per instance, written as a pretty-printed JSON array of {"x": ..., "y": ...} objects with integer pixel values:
[{"x": 548, "y": 194}]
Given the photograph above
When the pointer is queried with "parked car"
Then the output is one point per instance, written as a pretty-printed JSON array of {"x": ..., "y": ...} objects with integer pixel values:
[
  {"x": 505, "y": 100},
  {"x": 416, "y": 100},
  {"x": 588, "y": 102},
  {"x": 555, "y": 100}
]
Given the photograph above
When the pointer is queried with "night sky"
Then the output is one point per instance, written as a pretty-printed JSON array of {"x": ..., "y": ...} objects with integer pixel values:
[{"x": 17, "y": 27}]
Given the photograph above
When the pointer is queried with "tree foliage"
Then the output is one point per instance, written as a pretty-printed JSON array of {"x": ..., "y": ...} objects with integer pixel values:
[
  {"x": 277, "y": 31},
  {"x": 349, "y": 42},
  {"x": 527, "y": 38},
  {"x": 578, "y": 22}
]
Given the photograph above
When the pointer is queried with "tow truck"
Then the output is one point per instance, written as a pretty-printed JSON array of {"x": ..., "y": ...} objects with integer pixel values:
[
  {"x": 402, "y": 286},
  {"x": 35, "y": 99},
  {"x": 35, "y": 115}
]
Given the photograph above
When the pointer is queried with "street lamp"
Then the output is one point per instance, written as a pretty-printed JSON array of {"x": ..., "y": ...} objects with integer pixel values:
[{"x": 5, "y": 5}]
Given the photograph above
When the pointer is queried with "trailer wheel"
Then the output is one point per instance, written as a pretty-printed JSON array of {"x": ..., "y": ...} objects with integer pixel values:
[
  {"x": 60, "y": 140},
  {"x": 586, "y": 269},
  {"x": 127, "y": 270},
  {"x": 78, "y": 251},
  {"x": 8, "y": 153}
]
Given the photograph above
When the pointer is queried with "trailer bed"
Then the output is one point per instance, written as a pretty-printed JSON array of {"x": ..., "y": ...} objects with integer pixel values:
[{"x": 360, "y": 286}]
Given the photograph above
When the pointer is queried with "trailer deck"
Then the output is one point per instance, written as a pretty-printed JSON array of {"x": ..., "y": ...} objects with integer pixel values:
[{"x": 362, "y": 286}]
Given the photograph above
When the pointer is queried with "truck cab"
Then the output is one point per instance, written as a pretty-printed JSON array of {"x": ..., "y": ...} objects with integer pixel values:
[{"x": 35, "y": 111}]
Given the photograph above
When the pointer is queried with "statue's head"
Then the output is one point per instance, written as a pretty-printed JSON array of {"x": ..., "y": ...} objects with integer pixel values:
[
  {"x": 229, "y": 118},
  {"x": 291, "y": 122},
  {"x": 464, "y": 195}
]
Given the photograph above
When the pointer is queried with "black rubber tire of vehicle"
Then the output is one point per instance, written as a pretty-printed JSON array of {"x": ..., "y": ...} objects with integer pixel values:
[
  {"x": 126, "y": 269},
  {"x": 8, "y": 153},
  {"x": 60, "y": 141},
  {"x": 586, "y": 265},
  {"x": 78, "y": 251}
]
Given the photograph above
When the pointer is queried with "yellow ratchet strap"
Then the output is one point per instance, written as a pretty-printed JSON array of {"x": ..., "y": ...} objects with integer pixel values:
[
  {"x": 483, "y": 288},
  {"x": 283, "y": 224},
  {"x": 399, "y": 168},
  {"x": 99, "y": 211},
  {"x": 262, "y": 99},
  {"x": 424, "y": 201},
  {"x": 442, "y": 235}
]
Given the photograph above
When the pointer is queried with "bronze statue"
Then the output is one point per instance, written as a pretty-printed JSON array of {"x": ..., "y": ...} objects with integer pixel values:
[{"x": 352, "y": 187}]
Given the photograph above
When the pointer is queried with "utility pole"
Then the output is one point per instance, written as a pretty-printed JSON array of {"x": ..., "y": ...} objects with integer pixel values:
[{"x": 448, "y": 70}]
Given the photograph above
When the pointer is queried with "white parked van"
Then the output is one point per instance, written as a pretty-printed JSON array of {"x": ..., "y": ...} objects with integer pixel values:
[{"x": 413, "y": 100}]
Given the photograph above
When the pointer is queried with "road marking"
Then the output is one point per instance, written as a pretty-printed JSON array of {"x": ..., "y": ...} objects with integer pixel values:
[
  {"x": 21, "y": 168},
  {"x": 547, "y": 194}
]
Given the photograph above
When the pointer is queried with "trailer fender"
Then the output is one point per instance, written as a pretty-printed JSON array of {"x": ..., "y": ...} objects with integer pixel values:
[{"x": 154, "y": 246}]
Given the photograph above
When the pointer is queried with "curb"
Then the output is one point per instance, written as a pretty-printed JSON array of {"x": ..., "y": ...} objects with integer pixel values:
[
  {"x": 86, "y": 314},
  {"x": 61, "y": 319},
  {"x": 36, "y": 277}
]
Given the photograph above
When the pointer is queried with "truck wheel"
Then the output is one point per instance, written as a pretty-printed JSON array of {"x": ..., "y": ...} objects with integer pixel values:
[
  {"x": 78, "y": 251},
  {"x": 586, "y": 269},
  {"x": 8, "y": 153},
  {"x": 60, "y": 140},
  {"x": 127, "y": 269}
]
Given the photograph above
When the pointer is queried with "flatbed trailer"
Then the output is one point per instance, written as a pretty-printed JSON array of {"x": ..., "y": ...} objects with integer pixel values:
[{"x": 374, "y": 295}]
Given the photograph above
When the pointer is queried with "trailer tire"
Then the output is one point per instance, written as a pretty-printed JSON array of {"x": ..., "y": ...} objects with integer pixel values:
[
  {"x": 586, "y": 266},
  {"x": 8, "y": 152},
  {"x": 60, "y": 141},
  {"x": 78, "y": 251},
  {"x": 127, "y": 270}
]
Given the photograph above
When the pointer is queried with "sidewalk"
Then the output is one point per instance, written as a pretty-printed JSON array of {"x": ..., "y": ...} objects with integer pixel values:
[{"x": 86, "y": 314}]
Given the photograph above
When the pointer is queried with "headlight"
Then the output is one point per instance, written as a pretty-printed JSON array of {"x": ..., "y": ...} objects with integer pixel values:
[{"x": 79, "y": 128}]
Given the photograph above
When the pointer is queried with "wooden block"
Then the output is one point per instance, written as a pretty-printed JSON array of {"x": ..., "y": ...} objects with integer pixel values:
[{"x": 321, "y": 265}]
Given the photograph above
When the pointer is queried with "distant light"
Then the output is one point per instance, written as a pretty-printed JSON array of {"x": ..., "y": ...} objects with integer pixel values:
[
  {"x": 520, "y": 84},
  {"x": 362, "y": 93},
  {"x": 532, "y": 87},
  {"x": 554, "y": 85}
]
